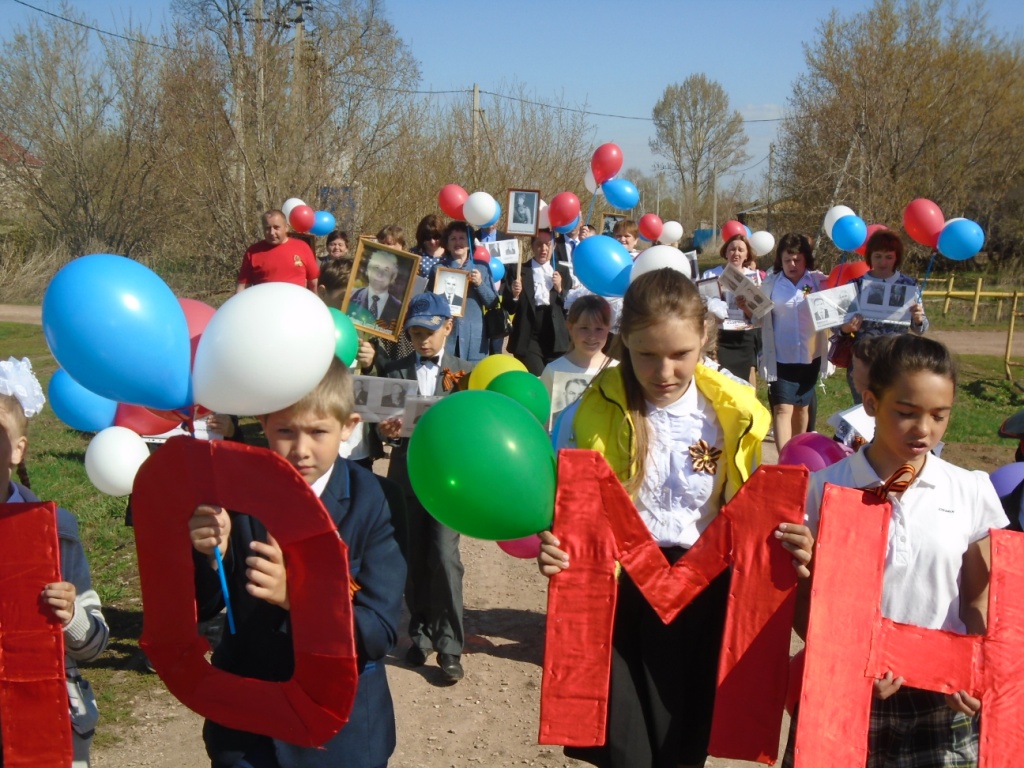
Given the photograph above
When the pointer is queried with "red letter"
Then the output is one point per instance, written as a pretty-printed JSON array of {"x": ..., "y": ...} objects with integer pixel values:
[
  {"x": 849, "y": 643},
  {"x": 33, "y": 691},
  {"x": 597, "y": 525},
  {"x": 311, "y": 707}
]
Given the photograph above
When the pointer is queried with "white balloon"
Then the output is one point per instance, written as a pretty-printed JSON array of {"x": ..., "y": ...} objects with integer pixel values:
[
  {"x": 658, "y": 257},
  {"x": 479, "y": 208},
  {"x": 591, "y": 183},
  {"x": 113, "y": 458},
  {"x": 543, "y": 221},
  {"x": 835, "y": 213},
  {"x": 671, "y": 232},
  {"x": 290, "y": 204},
  {"x": 263, "y": 350},
  {"x": 762, "y": 242}
]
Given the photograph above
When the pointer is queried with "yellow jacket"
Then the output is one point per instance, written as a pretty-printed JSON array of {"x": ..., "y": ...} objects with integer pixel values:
[{"x": 603, "y": 424}]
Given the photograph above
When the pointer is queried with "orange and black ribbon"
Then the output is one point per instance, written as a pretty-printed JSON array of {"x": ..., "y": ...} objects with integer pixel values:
[
  {"x": 451, "y": 380},
  {"x": 898, "y": 482},
  {"x": 705, "y": 457}
]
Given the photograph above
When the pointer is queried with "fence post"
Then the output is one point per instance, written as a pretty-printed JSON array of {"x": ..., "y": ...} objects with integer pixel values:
[
  {"x": 977, "y": 301},
  {"x": 949, "y": 291},
  {"x": 1009, "y": 338}
]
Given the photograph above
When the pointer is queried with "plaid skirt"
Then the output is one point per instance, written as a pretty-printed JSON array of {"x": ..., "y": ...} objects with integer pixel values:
[{"x": 914, "y": 728}]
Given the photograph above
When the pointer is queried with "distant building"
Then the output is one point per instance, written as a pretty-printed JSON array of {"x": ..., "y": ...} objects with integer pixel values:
[{"x": 14, "y": 161}]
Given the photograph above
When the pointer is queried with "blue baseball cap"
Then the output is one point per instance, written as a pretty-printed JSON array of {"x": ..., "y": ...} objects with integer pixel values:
[{"x": 428, "y": 310}]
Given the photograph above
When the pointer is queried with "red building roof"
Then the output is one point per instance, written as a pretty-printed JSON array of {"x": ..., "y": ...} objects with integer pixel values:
[{"x": 11, "y": 152}]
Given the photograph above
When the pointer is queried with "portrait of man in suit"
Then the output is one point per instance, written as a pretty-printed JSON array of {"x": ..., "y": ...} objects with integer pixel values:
[
  {"x": 523, "y": 208},
  {"x": 522, "y": 213},
  {"x": 359, "y": 390},
  {"x": 452, "y": 285},
  {"x": 395, "y": 398},
  {"x": 381, "y": 272}
]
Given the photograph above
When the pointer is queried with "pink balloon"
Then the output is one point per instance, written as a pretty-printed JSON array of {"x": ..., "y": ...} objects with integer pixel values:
[
  {"x": 606, "y": 162},
  {"x": 812, "y": 450},
  {"x": 650, "y": 226},
  {"x": 526, "y": 548},
  {"x": 801, "y": 456}
]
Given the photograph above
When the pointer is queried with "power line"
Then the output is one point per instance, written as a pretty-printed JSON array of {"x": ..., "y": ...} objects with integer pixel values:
[
  {"x": 751, "y": 167},
  {"x": 95, "y": 29}
]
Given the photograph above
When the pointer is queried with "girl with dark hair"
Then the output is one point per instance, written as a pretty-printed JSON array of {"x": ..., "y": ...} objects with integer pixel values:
[{"x": 429, "y": 243}]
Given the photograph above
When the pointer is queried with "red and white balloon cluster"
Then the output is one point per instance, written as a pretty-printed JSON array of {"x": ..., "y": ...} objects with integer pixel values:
[
  {"x": 602, "y": 179},
  {"x": 653, "y": 229},
  {"x": 762, "y": 241},
  {"x": 478, "y": 209},
  {"x": 957, "y": 239},
  {"x": 304, "y": 219}
]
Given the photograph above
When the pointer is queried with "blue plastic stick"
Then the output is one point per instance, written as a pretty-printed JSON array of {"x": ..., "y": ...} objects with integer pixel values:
[
  {"x": 591, "y": 209},
  {"x": 927, "y": 274},
  {"x": 224, "y": 589}
]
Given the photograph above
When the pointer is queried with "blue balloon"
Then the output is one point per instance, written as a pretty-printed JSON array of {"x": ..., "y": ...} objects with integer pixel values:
[
  {"x": 494, "y": 219},
  {"x": 497, "y": 269},
  {"x": 849, "y": 233},
  {"x": 323, "y": 224},
  {"x": 566, "y": 228},
  {"x": 603, "y": 265},
  {"x": 749, "y": 233},
  {"x": 119, "y": 331},
  {"x": 961, "y": 239},
  {"x": 77, "y": 407},
  {"x": 621, "y": 194}
]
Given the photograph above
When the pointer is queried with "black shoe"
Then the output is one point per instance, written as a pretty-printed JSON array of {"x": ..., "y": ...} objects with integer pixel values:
[
  {"x": 415, "y": 656},
  {"x": 450, "y": 666}
]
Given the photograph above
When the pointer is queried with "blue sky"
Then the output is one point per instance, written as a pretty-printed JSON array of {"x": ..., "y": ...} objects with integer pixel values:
[{"x": 592, "y": 51}]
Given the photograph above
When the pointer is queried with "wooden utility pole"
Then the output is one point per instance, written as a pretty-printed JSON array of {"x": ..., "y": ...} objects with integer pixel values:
[{"x": 476, "y": 118}]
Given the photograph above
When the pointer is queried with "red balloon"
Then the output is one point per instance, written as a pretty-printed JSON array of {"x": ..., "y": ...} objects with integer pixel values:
[
  {"x": 650, "y": 226},
  {"x": 451, "y": 198},
  {"x": 302, "y": 218},
  {"x": 482, "y": 254},
  {"x": 606, "y": 162},
  {"x": 526, "y": 548},
  {"x": 142, "y": 421},
  {"x": 872, "y": 228},
  {"x": 563, "y": 209},
  {"x": 923, "y": 221},
  {"x": 846, "y": 273},
  {"x": 732, "y": 228},
  {"x": 197, "y": 315}
]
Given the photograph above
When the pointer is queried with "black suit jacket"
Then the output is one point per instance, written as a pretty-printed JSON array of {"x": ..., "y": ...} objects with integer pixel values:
[
  {"x": 527, "y": 315},
  {"x": 405, "y": 368},
  {"x": 389, "y": 315}
]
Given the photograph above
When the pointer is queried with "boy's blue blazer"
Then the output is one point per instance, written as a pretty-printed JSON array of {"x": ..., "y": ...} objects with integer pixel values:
[{"x": 262, "y": 648}]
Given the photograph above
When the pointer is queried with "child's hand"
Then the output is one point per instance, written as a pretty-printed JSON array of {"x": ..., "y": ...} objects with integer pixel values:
[
  {"x": 60, "y": 597},
  {"x": 221, "y": 424},
  {"x": 916, "y": 314},
  {"x": 798, "y": 540},
  {"x": 887, "y": 686},
  {"x": 551, "y": 559},
  {"x": 390, "y": 429},
  {"x": 365, "y": 355},
  {"x": 209, "y": 528},
  {"x": 961, "y": 701},
  {"x": 266, "y": 574}
]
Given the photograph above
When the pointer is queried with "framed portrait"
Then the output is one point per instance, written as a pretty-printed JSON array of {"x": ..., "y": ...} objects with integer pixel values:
[
  {"x": 523, "y": 207},
  {"x": 608, "y": 222},
  {"x": 453, "y": 284},
  {"x": 383, "y": 281}
]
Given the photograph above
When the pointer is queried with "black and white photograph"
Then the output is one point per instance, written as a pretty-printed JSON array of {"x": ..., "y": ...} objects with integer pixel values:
[
  {"x": 379, "y": 398},
  {"x": 897, "y": 295},
  {"x": 523, "y": 207},
  {"x": 379, "y": 290},
  {"x": 732, "y": 279},
  {"x": 566, "y": 389},
  {"x": 875, "y": 294},
  {"x": 453, "y": 284},
  {"x": 709, "y": 288},
  {"x": 608, "y": 222},
  {"x": 884, "y": 303},
  {"x": 831, "y": 307},
  {"x": 415, "y": 407}
]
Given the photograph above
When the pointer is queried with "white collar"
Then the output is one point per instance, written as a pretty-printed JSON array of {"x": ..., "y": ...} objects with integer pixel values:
[{"x": 320, "y": 483}]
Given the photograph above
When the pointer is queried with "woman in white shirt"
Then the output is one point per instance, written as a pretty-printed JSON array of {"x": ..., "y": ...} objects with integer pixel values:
[
  {"x": 737, "y": 346},
  {"x": 793, "y": 354}
]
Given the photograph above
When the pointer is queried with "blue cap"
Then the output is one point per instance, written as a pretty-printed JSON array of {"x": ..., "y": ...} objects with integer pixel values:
[{"x": 428, "y": 310}]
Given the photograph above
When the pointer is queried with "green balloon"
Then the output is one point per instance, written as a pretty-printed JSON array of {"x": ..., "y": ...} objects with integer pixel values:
[
  {"x": 346, "y": 340},
  {"x": 527, "y": 390},
  {"x": 364, "y": 317},
  {"x": 469, "y": 447}
]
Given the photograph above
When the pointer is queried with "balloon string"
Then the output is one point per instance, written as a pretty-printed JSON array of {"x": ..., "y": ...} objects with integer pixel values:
[
  {"x": 224, "y": 589},
  {"x": 927, "y": 274},
  {"x": 839, "y": 275},
  {"x": 590, "y": 211}
]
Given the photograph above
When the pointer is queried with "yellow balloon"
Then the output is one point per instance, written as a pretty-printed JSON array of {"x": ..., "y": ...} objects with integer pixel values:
[{"x": 491, "y": 368}]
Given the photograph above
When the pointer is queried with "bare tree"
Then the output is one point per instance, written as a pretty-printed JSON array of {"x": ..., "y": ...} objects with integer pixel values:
[{"x": 697, "y": 135}]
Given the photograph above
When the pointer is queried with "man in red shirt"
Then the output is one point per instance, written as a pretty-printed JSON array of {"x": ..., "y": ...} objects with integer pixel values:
[{"x": 278, "y": 258}]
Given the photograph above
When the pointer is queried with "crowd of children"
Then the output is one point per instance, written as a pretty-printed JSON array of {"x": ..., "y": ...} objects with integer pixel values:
[{"x": 682, "y": 437}]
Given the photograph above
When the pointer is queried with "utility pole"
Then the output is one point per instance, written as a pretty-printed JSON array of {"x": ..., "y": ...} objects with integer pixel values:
[
  {"x": 476, "y": 118},
  {"x": 657, "y": 205},
  {"x": 771, "y": 165}
]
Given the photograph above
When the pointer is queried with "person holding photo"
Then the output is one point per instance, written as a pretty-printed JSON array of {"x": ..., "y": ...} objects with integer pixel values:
[
  {"x": 589, "y": 323},
  {"x": 794, "y": 354},
  {"x": 885, "y": 254},
  {"x": 737, "y": 349}
]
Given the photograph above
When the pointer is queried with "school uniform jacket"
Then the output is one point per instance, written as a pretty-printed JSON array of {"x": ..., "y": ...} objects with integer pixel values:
[
  {"x": 525, "y": 311},
  {"x": 261, "y": 648},
  {"x": 405, "y": 368}
]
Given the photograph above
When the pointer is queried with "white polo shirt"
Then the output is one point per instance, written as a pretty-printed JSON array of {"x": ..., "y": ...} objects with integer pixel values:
[
  {"x": 796, "y": 341},
  {"x": 944, "y": 510}
]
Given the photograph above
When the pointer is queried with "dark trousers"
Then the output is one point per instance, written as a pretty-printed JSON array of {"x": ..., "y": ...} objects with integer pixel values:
[{"x": 433, "y": 588}]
